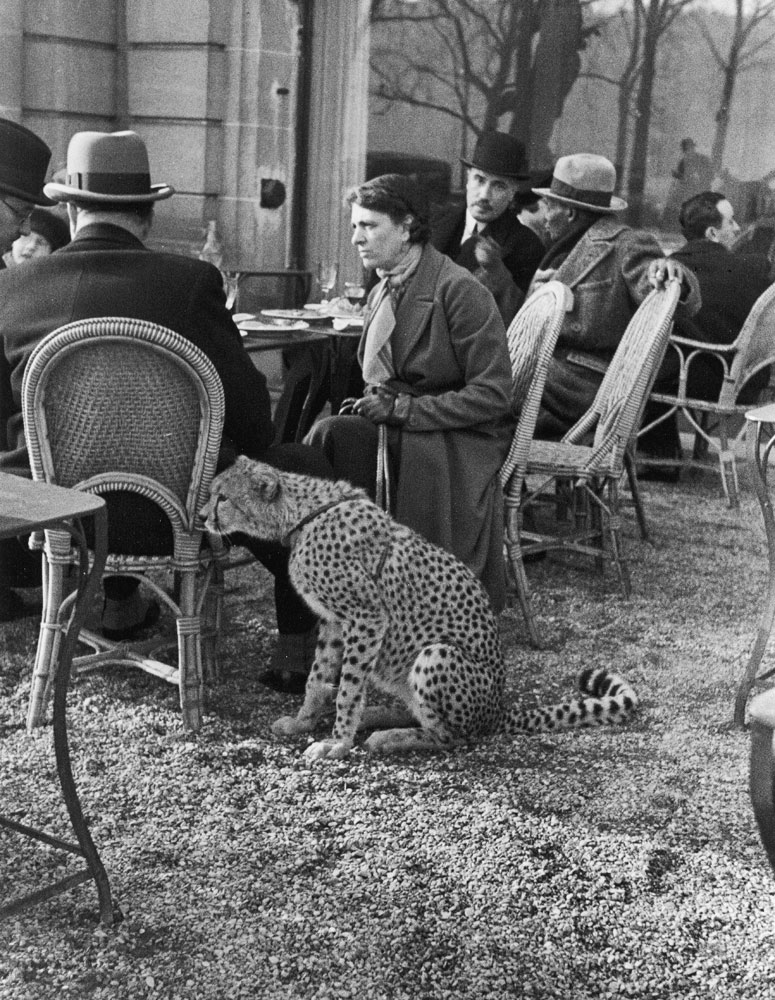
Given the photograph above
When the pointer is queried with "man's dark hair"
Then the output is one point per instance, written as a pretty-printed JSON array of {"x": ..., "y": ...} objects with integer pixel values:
[
  {"x": 397, "y": 196},
  {"x": 699, "y": 212}
]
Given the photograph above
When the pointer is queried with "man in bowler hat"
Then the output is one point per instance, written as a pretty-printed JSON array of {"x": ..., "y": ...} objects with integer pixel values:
[
  {"x": 108, "y": 271},
  {"x": 24, "y": 159},
  {"x": 486, "y": 237}
]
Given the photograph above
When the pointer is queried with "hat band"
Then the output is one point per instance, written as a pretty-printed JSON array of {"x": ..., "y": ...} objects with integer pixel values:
[
  {"x": 102, "y": 183},
  {"x": 601, "y": 198}
]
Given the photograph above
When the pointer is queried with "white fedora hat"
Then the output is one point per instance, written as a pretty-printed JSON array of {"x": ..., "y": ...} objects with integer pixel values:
[
  {"x": 107, "y": 167},
  {"x": 585, "y": 180}
]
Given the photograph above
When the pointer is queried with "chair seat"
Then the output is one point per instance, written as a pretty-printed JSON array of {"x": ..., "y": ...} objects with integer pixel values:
[{"x": 565, "y": 460}]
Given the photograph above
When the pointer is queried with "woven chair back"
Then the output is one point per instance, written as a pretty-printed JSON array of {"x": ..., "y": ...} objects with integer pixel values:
[
  {"x": 622, "y": 395},
  {"x": 532, "y": 336},
  {"x": 128, "y": 402},
  {"x": 755, "y": 347}
]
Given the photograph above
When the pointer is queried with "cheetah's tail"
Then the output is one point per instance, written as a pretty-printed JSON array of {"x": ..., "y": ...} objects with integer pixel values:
[{"x": 606, "y": 700}]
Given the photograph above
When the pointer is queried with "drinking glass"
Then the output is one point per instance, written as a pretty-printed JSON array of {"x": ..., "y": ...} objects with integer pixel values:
[
  {"x": 327, "y": 278},
  {"x": 354, "y": 292}
]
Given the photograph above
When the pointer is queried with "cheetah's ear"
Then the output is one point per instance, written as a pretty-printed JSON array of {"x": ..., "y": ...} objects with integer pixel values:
[{"x": 265, "y": 480}]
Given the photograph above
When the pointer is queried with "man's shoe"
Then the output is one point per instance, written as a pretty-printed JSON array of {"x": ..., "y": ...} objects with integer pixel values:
[
  {"x": 123, "y": 621},
  {"x": 291, "y": 662}
]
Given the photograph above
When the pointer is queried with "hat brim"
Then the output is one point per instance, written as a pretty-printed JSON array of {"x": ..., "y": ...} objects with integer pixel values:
[
  {"x": 15, "y": 192},
  {"x": 63, "y": 192},
  {"x": 617, "y": 204},
  {"x": 495, "y": 173}
]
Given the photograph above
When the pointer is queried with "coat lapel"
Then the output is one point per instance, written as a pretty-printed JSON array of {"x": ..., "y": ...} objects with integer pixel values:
[
  {"x": 415, "y": 308},
  {"x": 592, "y": 249}
]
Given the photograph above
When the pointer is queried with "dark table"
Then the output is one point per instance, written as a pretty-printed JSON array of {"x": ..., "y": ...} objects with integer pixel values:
[
  {"x": 25, "y": 507},
  {"x": 317, "y": 359}
]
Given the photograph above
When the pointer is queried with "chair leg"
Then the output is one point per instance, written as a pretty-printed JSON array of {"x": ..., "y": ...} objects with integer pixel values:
[
  {"x": 632, "y": 479},
  {"x": 517, "y": 565},
  {"x": 615, "y": 533},
  {"x": 190, "y": 672},
  {"x": 49, "y": 641}
]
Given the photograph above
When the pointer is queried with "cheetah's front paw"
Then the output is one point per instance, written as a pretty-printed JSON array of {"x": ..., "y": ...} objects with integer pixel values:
[
  {"x": 327, "y": 750},
  {"x": 291, "y": 725}
]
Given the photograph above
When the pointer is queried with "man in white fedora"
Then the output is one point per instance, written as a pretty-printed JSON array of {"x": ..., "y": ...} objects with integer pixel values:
[
  {"x": 108, "y": 271},
  {"x": 610, "y": 267}
]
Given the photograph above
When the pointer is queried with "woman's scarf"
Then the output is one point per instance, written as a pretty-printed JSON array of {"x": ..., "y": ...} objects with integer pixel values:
[{"x": 377, "y": 354}]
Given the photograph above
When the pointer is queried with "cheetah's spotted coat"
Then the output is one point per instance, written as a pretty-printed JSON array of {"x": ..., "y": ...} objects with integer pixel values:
[{"x": 396, "y": 611}]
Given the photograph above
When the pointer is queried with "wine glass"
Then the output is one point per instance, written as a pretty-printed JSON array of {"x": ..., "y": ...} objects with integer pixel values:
[
  {"x": 355, "y": 293},
  {"x": 327, "y": 278}
]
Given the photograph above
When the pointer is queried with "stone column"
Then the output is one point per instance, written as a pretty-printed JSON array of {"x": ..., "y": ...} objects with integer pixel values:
[
  {"x": 338, "y": 129},
  {"x": 11, "y": 58}
]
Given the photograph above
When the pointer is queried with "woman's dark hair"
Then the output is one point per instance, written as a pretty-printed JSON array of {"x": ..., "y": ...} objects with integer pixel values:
[
  {"x": 699, "y": 212},
  {"x": 398, "y": 197}
]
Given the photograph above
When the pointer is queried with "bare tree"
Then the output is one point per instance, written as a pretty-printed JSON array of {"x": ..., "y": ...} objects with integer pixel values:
[
  {"x": 480, "y": 60},
  {"x": 658, "y": 16},
  {"x": 741, "y": 55}
]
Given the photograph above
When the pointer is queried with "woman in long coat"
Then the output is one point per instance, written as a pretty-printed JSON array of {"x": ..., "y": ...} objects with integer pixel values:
[{"x": 436, "y": 367}]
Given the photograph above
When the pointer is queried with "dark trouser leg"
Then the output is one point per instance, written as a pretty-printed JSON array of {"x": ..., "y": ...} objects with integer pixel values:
[{"x": 350, "y": 445}]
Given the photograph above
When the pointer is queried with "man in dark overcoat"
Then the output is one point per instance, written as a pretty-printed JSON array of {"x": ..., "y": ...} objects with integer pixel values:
[
  {"x": 108, "y": 271},
  {"x": 609, "y": 267},
  {"x": 729, "y": 286},
  {"x": 486, "y": 237}
]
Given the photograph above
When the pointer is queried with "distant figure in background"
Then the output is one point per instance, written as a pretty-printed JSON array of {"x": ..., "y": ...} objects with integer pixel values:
[
  {"x": 693, "y": 174},
  {"x": 531, "y": 209},
  {"x": 486, "y": 237},
  {"x": 729, "y": 286},
  {"x": 46, "y": 232}
]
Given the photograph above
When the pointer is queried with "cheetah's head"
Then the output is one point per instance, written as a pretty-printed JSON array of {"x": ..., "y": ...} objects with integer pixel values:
[{"x": 247, "y": 497}]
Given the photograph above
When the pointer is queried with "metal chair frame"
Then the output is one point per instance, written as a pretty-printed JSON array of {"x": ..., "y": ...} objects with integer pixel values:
[{"x": 752, "y": 351}]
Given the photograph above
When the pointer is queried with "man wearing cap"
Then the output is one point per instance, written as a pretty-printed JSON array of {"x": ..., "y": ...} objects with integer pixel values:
[
  {"x": 24, "y": 159},
  {"x": 486, "y": 237},
  {"x": 610, "y": 268},
  {"x": 108, "y": 271}
]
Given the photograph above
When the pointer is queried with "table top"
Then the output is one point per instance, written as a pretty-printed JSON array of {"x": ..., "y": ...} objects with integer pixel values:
[
  {"x": 762, "y": 414},
  {"x": 290, "y": 338},
  {"x": 26, "y": 506}
]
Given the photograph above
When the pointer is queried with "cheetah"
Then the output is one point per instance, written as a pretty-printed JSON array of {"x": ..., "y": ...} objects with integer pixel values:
[{"x": 395, "y": 611}]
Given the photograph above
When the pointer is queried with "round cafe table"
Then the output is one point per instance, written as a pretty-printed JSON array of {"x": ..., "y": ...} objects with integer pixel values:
[{"x": 319, "y": 361}]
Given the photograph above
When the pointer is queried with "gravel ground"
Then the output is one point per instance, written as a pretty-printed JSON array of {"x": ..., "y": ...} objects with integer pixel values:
[{"x": 584, "y": 865}]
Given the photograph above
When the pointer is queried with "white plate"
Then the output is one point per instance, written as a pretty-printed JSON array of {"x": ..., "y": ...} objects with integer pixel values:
[
  {"x": 241, "y": 317},
  {"x": 292, "y": 314},
  {"x": 257, "y": 326}
]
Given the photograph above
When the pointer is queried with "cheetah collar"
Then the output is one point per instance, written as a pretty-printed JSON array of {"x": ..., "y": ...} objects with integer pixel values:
[{"x": 290, "y": 536}]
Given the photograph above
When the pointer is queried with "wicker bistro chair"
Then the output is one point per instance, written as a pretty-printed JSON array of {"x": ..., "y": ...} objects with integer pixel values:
[
  {"x": 115, "y": 404},
  {"x": 532, "y": 336},
  {"x": 591, "y": 456},
  {"x": 712, "y": 421}
]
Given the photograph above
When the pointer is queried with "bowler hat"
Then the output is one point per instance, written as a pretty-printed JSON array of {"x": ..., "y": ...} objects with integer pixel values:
[
  {"x": 501, "y": 154},
  {"x": 108, "y": 167},
  {"x": 585, "y": 180},
  {"x": 24, "y": 160},
  {"x": 50, "y": 226}
]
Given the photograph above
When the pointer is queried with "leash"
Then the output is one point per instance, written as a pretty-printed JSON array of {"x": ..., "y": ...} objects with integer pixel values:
[{"x": 288, "y": 539}]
